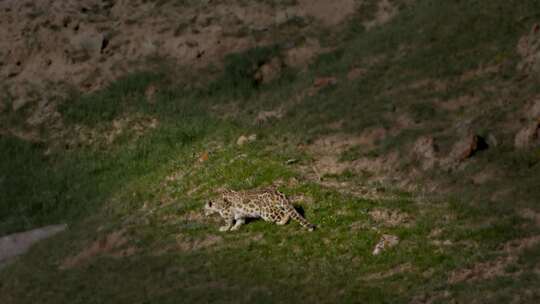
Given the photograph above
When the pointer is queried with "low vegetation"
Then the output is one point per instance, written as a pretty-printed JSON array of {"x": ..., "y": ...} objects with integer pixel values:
[{"x": 133, "y": 167}]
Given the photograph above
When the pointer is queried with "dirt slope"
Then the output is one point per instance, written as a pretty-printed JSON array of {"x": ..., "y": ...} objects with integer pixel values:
[{"x": 49, "y": 45}]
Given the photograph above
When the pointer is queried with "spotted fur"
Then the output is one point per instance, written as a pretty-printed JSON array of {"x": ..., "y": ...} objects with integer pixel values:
[{"x": 268, "y": 204}]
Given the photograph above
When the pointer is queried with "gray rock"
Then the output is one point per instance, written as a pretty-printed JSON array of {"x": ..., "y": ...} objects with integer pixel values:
[{"x": 18, "y": 243}]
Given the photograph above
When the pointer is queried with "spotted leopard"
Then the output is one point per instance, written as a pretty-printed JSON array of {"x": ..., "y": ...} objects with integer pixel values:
[{"x": 268, "y": 204}]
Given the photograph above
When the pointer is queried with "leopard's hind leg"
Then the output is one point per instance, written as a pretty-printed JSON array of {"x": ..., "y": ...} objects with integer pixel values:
[{"x": 284, "y": 219}]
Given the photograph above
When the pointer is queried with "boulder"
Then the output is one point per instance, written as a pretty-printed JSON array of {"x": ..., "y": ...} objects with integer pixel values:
[{"x": 467, "y": 147}]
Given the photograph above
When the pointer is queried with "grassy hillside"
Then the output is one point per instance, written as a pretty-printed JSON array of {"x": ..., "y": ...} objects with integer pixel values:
[{"x": 133, "y": 166}]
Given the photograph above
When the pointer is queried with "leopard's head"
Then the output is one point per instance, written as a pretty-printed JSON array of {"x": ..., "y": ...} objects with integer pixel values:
[{"x": 211, "y": 207}]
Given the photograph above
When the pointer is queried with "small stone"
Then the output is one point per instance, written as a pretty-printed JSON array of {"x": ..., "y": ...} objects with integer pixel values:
[
  {"x": 203, "y": 157},
  {"x": 442, "y": 243},
  {"x": 386, "y": 241},
  {"x": 269, "y": 71},
  {"x": 466, "y": 147},
  {"x": 242, "y": 140},
  {"x": 291, "y": 161},
  {"x": 322, "y": 82},
  {"x": 492, "y": 140}
]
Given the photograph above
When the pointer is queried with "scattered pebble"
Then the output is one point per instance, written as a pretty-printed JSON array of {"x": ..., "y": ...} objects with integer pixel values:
[
  {"x": 291, "y": 161},
  {"x": 242, "y": 140},
  {"x": 386, "y": 241}
]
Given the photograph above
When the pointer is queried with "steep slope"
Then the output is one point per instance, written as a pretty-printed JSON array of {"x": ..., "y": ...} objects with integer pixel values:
[{"x": 411, "y": 121}]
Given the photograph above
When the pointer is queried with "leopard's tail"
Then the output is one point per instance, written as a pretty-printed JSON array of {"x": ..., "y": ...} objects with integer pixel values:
[{"x": 301, "y": 220}]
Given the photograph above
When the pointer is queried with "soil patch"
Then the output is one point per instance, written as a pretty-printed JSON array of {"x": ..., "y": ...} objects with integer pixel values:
[
  {"x": 329, "y": 12},
  {"x": 390, "y": 218},
  {"x": 112, "y": 245},
  {"x": 496, "y": 267},
  {"x": 385, "y": 12},
  {"x": 188, "y": 244},
  {"x": 402, "y": 268}
]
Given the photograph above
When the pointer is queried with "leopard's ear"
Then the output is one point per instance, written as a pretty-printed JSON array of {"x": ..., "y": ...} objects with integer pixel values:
[{"x": 209, "y": 204}]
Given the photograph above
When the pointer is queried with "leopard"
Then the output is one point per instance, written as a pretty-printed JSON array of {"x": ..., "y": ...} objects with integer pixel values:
[{"x": 235, "y": 207}]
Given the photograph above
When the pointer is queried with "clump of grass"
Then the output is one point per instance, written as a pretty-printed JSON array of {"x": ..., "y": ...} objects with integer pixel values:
[
  {"x": 104, "y": 105},
  {"x": 238, "y": 79},
  {"x": 423, "y": 111},
  {"x": 351, "y": 154}
]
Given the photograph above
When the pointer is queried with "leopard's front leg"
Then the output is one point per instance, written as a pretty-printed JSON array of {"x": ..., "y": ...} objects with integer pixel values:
[
  {"x": 239, "y": 222},
  {"x": 228, "y": 224}
]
